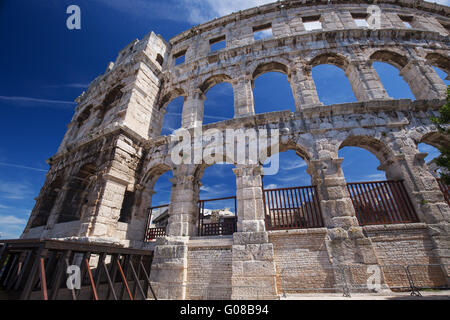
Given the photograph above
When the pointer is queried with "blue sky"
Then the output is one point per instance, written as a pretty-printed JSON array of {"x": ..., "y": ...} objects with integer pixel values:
[{"x": 44, "y": 67}]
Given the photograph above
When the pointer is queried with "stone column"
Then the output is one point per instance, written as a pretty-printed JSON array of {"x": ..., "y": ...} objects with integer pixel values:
[
  {"x": 250, "y": 205},
  {"x": 427, "y": 198},
  {"x": 100, "y": 221},
  {"x": 346, "y": 244},
  {"x": 303, "y": 87},
  {"x": 335, "y": 201},
  {"x": 254, "y": 275},
  {"x": 192, "y": 115},
  {"x": 423, "y": 80},
  {"x": 183, "y": 209},
  {"x": 243, "y": 97},
  {"x": 365, "y": 82}
]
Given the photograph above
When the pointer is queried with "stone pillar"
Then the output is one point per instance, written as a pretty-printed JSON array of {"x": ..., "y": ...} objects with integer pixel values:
[
  {"x": 183, "y": 209},
  {"x": 365, "y": 82},
  {"x": 102, "y": 222},
  {"x": 303, "y": 87},
  {"x": 192, "y": 115},
  {"x": 346, "y": 244},
  {"x": 423, "y": 80},
  {"x": 243, "y": 97},
  {"x": 254, "y": 275},
  {"x": 335, "y": 201},
  {"x": 427, "y": 198}
]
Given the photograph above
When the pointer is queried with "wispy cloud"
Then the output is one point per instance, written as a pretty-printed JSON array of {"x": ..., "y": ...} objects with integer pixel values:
[
  {"x": 27, "y": 101},
  {"x": 192, "y": 11},
  {"x": 15, "y": 190},
  {"x": 11, "y": 227},
  {"x": 69, "y": 85},
  {"x": 21, "y": 167}
]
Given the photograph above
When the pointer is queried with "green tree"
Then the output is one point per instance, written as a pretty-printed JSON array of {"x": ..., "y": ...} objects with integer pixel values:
[{"x": 442, "y": 123}]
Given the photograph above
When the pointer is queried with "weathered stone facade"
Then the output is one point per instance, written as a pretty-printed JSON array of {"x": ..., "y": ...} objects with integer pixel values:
[{"x": 113, "y": 153}]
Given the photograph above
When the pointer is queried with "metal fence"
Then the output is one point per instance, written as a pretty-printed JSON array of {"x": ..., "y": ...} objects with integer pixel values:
[
  {"x": 223, "y": 226},
  {"x": 292, "y": 208},
  {"x": 381, "y": 202},
  {"x": 38, "y": 269}
]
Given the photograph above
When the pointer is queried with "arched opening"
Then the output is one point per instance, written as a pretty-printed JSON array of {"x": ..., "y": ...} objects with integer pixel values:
[
  {"x": 441, "y": 64},
  {"x": 394, "y": 84},
  {"x": 289, "y": 199},
  {"x": 152, "y": 201},
  {"x": 375, "y": 199},
  {"x": 433, "y": 153},
  {"x": 219, "y": 103},
  {"x": 78, "y": 192},
  {"x": 388, "y": 65},
  {"x": 47, "y": 203},
  {"x": 172, "y": 116},
  {"x": 271, "y": 88},
  {"x": 332, "y": 85},
  {"x": 360, "y": 165},
  {"x": 217, "y": 204}
]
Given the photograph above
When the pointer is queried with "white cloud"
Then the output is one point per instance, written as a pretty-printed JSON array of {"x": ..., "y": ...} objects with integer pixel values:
[
  {"x": 15, "y": 190},
  {"x": 21, "y": 167},
  {"x": 34, "y": 101},
  {"x": 11, "y": 227},
  {"x": 192, "y": 11}
]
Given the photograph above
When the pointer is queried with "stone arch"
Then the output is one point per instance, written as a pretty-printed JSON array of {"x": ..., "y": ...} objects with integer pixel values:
[
  {"x": 271, "y": 66},
  {"x": 78, "y": 192},
  {"x": 168, "y": 97},
  {"x": 332, "y": 58},
  {"x": 375, "y": 146},
  {"x": 211, "y": 81},
  {"x": 439, "y": 60},
  {"x": 395, "y": 59},
  {"x": 47, "y": 202},
  {"x": 436, "y": 139}
]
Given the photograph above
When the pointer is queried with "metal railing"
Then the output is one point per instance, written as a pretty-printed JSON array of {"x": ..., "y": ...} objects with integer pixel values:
[
  {"x": 292, "y": 208},
  {"x": 38, "y": 269},
  {"x": 381, "y": 202},
  {"x": 151, "y": 233},
  {"x": 225, "y": 225}
]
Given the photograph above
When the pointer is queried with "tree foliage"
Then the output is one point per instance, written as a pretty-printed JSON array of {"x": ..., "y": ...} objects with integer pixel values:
[{"x": 442, "y": 122}]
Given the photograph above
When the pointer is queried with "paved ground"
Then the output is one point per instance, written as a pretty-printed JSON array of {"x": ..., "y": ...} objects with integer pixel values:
[{"x": 426, "y": 295}]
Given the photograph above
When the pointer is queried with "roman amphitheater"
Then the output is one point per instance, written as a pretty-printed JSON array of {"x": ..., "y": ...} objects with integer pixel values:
[{"x": 96, "y": 203}]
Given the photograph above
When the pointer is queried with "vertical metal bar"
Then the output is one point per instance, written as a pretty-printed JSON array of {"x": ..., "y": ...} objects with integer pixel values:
[
  {"x": 66, "y": 259},
  {"x": 383, "y": 200},
  {"x": 391, "y": 201},
  {"x": 43, "y": 278},
  {"x": 59, "y": 273},
  {"x": 148, "y": 280},
  {"x": 372, "y": 205},
  {"x": 110, "y": 282},
  {"x": 363, "y": 212},
  {"x": 32, "y": 276},
  {"x": 11, "y": 267},
  {"x": 318, "y": 210},
  {"x": 98, "y": 273},
  {"x": 399, "y": 201},
  {"x": 24, "y": 269},
  {"x": 91, "y": 279},
  {"x": 356, "y": 205},
  {"x": 287, "y": 205},
  {"x": 412, "y": 214},
  {"x": 124, "y": 279},
  {"x": 137, "y": 281},
  {"x": 308, "y": 216}
]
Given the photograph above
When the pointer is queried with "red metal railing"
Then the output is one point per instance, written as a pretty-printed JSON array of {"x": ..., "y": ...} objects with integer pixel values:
[
  {"x": 227, "y": 226},
  {"x": 445, "y": 190},
  {"x": 155, "y": 232},
  {"x": 292, "y": 208},
  {"x": 381, "y": 202}
]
